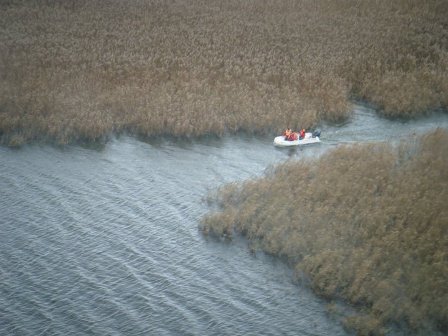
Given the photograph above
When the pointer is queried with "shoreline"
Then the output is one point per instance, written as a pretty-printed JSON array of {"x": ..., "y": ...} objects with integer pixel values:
[{"x": 16, "y": 140}]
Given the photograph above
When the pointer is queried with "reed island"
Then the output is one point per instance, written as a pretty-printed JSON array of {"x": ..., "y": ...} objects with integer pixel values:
[{"x": 365, "y": 224}]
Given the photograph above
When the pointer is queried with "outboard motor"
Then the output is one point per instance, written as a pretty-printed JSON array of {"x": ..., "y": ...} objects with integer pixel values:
[{"x": 316, "y": 133}]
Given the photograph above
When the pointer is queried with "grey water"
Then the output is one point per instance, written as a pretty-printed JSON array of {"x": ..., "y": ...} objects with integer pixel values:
[{"x": 106, "y": 241}]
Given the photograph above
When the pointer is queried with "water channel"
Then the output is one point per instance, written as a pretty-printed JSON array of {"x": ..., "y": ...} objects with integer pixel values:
[{"x": 106, "y": 241}]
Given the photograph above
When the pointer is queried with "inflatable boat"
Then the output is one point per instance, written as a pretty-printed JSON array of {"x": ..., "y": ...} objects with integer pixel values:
[{"x": 309, "y": 138}]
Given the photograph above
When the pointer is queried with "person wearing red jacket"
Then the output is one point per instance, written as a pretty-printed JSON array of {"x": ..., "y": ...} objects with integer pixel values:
[{"x": 287, "y": 134}]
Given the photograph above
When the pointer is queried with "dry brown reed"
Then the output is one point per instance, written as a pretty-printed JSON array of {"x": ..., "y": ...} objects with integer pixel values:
[
  {"x": 80, "y": 70},
  {"x": 365, "y": 223}
]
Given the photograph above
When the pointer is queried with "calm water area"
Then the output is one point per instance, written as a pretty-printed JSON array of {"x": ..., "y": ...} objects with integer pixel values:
[{"x": 105, "y": 241}]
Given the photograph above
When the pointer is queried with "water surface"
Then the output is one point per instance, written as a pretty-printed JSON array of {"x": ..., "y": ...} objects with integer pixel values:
[{"x": 106, "y": 242}]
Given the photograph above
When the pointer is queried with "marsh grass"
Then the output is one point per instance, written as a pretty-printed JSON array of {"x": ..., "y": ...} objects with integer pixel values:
[
  {"x": 80, "y": 70},
  {"x": 364, "y": 223}
]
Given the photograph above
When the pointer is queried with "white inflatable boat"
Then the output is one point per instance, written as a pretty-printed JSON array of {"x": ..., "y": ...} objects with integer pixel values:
[{"x": 309, "y": 138}]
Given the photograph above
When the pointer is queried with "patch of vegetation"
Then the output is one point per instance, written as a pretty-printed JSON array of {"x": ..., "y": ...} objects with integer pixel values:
[
  {"x": 78, "y": 70},
  {"x": 366, "y": 223}
]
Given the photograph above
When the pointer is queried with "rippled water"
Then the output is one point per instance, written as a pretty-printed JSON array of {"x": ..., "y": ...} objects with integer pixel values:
[{"x": 106, "y": 241}]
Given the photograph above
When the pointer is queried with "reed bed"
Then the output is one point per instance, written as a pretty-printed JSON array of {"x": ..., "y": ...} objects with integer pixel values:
[
  {"x": 81, "y": 70},
  {"x": 364, "y": 223}
]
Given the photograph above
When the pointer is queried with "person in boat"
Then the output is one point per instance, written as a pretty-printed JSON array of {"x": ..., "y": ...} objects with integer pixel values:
[
  {"x": 287, "y": 134},
  {"x": 302, "y": 134},
  {"x": 290, "y": 135}
]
